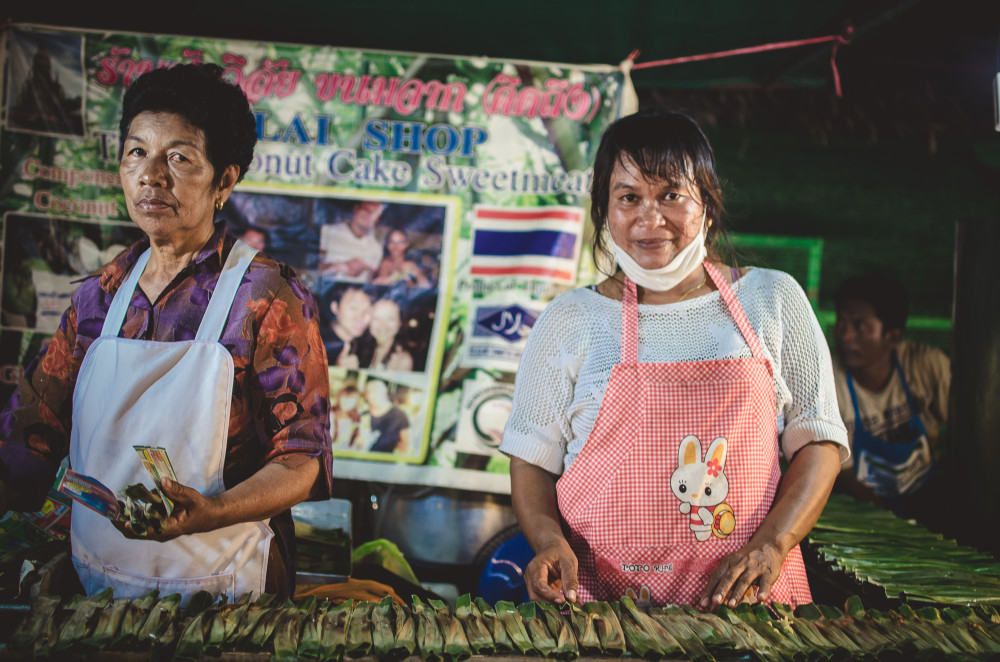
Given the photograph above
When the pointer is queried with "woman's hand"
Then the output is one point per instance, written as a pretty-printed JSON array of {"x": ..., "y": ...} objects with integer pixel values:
[
  {"x": 193, "y": 513},
  {"x": 746, "y": 574},
  {"x": 552, "y": 575},
  {"x": 805, "y": 487},
  {"x": 275, "y": 488}
]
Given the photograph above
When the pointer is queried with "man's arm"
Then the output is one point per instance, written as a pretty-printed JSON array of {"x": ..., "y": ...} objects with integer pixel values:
[{"x": 847, "y": 483}]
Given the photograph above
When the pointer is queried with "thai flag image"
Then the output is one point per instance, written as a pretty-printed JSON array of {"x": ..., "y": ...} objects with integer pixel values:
[{"x": 533, "y": 242}]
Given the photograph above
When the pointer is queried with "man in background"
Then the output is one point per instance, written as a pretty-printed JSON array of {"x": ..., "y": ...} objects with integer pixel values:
[
  {"x": 350, "y": 251},
  {"x": 893, "y": 397}
]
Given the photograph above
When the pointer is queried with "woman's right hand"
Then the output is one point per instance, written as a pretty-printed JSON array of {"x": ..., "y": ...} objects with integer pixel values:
[{"x": 551, "y": 575}]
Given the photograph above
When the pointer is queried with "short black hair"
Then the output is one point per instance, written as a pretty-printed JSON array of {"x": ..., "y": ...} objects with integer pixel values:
[
  {"x": 337, "y": 291},
  {"x": 199, "y": 94},
  {"x": 886, "y": 295},
  {"x": 663, "y": 145}
]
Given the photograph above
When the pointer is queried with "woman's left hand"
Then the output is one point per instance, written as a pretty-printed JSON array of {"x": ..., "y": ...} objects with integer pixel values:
[
  {"x": 193, "y": 513},
  {"x": 746, "y": 574},
  {"x": 801, "y": 496}
]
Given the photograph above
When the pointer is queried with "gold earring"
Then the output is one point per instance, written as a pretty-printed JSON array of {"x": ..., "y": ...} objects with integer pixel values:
[
  {"x": 709, "y": 222},
  {"x": 218, "y": 205}
]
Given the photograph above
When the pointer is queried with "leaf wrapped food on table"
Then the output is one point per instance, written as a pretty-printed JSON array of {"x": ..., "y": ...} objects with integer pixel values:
[
  {"x": 406, "y": 631},
  {"x": 429, "y": 638},
  {"x": 264, "y": 629},
  {"x": 244, "y": 630},
  {"x": 514, "y": 625},
  {"x": 224, "y": 623},
  {"x": 609, "y": 629},
  {"x": 537, "y": 630},
  {"x": 383, "y": 631},
  {"x": 359, "y": 630},
  {"x": 666, "y": 641},
  {"x": 749, "y": 639},
  {"x": 805, "y": 630},
  {"x": 677, "y": 626},
  {"x": 333, "y": 630},
  {"x": 582, "y": 622},
  {"x": 495, "y": 626},
  {"x": 456, "y": 644},
  {"x": 476, "y": 631},
  {"x": 310, "y": 635},
  {"x": 185, "y": 638},
  {"x": 639, "y": 641},
  {"x": 160, "y": 616},
  {"x": 31, "y": 627},
  {"x": 191, "y": 642},
  {"x": 80, "y": 623},
  {"x": 566, "y": 644},
  {"x": 46, "y": 638},
  {"x": 109, "y": 621},
  {"x": 707, "y": 632},
  {"x": 285, "y": 641}
]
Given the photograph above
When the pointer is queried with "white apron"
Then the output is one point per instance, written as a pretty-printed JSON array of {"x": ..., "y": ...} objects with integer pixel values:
[{"x": 176, "y": 395}]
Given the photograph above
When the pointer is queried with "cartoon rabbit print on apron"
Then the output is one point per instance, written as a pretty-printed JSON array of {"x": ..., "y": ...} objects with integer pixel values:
[{"x": 702, "y": 488}]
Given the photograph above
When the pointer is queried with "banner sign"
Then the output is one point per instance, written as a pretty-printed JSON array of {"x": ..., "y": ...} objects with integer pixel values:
[{"x": 431, "y": 204}]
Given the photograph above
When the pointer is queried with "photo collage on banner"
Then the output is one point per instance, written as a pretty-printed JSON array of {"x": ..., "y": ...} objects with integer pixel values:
[
  {"x": 432, "y": 205},
  {"x": 374, "y": 266}
]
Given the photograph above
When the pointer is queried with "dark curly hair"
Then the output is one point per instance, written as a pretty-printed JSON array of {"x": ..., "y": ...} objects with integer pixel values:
[
  {"x": 199, "y": 94},
  {"x": 662, "y": 145},
  {"x": 886, "y": 295}
]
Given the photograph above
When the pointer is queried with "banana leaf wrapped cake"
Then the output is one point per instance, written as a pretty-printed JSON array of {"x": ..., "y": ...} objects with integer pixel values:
[{"x": 311, "y": 629}]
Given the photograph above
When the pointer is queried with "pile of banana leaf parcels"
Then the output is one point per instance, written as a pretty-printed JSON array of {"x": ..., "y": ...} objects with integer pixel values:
[
  {"x": 886, "y": 558},
  {"x": 321, "y": 630}
]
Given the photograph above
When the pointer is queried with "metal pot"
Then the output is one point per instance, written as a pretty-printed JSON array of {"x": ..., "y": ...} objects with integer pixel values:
[{"x": 442, "y": 526}]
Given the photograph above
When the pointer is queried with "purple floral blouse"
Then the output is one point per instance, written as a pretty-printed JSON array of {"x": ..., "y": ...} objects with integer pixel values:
[{"x": 280, "y": 405}]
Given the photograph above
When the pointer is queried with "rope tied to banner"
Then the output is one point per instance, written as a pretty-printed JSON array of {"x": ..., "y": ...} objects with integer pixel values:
[{"x": 837, "y": 40}]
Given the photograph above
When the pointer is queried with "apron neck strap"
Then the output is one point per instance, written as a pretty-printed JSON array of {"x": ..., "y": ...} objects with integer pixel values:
[
  {"x": 902, "y": 379},
  {"x": 123, "y": 297},
  {"x": 735, "y": 309},
  {"x": 215, "y": 316},
  {"x": 214, "y": 320},
  {"x": 630, "y": 316},
  {"x": 854, "y": 403},
  {"x": 630, "y": 323}
]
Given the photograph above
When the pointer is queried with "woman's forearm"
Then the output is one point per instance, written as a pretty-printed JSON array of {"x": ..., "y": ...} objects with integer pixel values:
[
  {"x": 551, "y": 576},
  {"x": 803, "y": 492},
  {"x": 533, "y": 494},
  {"x": 275, "y": 488}
]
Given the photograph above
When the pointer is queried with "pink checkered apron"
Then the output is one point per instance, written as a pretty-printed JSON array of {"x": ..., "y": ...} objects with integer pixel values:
[{"x": 634, "y": 499}]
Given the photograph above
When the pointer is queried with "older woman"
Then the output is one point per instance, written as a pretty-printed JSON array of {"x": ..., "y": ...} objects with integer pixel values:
[
  {"x": 191, "y": 341},
  {"x": 650, "y": 410}
]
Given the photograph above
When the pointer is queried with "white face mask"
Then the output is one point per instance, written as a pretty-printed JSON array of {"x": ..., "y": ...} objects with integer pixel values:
[
  {"x": 670, "y": 275},
  {"x": 348, "y": 403}
]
